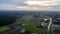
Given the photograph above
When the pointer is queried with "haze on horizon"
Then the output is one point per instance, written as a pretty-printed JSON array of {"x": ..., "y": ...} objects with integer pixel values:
[{"x": 49, "y": 5}]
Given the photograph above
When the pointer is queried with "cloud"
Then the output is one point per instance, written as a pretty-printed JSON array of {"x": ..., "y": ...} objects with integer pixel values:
[
  {"x": 43, "y": 3},
  {"x": 29, "y": 5},
  {"x": 8, "y": 7},
  {"x": 47, "y": 5},
  {"x": 12, "y": 2}
]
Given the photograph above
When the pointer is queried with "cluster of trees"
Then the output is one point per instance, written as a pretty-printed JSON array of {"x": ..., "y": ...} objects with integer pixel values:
[{"x": 5, "y": 20}]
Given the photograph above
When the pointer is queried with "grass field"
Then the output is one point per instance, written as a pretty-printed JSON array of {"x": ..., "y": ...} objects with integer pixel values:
[
  {"x": 31, "y": 26},
  {"x": 4, "y": 28}
]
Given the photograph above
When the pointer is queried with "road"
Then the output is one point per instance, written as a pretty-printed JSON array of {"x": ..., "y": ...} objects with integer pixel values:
[{"x": 49, "y": 26}]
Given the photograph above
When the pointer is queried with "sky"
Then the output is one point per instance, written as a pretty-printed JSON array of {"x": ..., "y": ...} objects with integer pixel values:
[{"x": 49, "y": 5}]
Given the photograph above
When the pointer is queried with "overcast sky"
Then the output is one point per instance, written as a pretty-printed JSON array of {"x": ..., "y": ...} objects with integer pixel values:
[{"x": 50, "y": 5}]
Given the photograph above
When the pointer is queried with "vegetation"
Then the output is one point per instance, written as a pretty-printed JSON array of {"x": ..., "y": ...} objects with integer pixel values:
[
  {"x": 5, "y": 20},
  {"x": 31, "y": 26},
  {"x": 4, "y": 28}
]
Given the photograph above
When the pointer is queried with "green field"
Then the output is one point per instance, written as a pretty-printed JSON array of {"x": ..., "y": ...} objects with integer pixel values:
[
  {"x": 4, "y": 28},
  {"x": 31, "y": 26}
]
